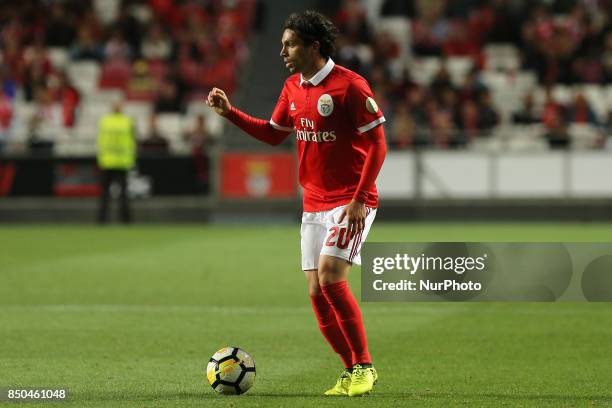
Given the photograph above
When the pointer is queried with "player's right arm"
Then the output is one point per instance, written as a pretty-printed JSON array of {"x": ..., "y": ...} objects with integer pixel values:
[{"x": 257, "y": 128}]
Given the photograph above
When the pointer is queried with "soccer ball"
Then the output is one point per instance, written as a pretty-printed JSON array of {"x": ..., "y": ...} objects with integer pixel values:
[{"x": 231, "y": 371}]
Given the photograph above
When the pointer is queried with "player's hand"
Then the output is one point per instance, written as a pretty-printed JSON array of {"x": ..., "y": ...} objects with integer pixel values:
[
  {"x": 355, "y": 211},
  {"x": 218, "y": 101}
]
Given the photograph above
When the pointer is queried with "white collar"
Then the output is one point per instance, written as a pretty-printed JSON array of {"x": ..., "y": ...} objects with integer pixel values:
[{"x": 321, "y": 75}]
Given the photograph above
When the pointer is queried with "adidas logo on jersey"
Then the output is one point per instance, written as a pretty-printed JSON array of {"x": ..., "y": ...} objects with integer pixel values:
[{"x": 292, "y": 106}]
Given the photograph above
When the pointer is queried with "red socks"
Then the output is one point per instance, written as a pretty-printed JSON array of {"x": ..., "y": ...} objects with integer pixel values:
[
  {"x": 330, "y": 329},
  {"x": 349, "y": 318}
]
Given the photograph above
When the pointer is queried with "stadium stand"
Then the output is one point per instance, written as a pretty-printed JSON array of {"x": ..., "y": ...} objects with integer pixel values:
[
  {"x": 468, "y": 59},
  {"x": 501, "y": 83},
  {"x": 509, "y": 48},
  {"x": 158, "y": 55}
]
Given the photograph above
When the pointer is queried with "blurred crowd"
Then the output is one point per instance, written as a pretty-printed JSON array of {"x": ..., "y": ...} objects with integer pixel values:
[
  {"x": 168, "y": 52},
  {"x": 563, "y": 41},
  {"x": 164, "y": 52}
]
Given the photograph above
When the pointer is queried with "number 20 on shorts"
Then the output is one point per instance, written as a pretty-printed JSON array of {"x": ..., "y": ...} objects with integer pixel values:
[{"x": 343, "y": 238}]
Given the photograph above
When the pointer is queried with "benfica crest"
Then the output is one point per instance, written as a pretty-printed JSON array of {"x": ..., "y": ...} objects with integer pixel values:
[{"x": 325, "y": 105}]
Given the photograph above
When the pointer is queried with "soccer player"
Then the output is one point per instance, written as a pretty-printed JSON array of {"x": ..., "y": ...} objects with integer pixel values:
[{"x": 341, "y": 148}]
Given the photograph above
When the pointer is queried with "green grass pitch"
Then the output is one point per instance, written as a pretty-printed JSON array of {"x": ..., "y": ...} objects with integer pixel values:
[{"x": 128, "y": 317}]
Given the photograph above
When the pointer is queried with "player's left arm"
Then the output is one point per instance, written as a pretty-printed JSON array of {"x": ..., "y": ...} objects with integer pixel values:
[
  {"x": 367, "y": 119},
  {"x": 355, "y": 211}
]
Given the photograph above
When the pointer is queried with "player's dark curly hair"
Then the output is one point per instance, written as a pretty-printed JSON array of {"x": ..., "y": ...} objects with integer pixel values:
[{"x": 311, "y": 26}]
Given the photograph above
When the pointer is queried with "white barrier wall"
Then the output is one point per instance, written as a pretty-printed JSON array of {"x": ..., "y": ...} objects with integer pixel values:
[
  {"x": 397, "y": 176},
  {"x": 482, "y": 175},
  {"x": 530, "y": 175},
  {"x": 591, "y": 174},
  {"x": 445, "y": 175}
]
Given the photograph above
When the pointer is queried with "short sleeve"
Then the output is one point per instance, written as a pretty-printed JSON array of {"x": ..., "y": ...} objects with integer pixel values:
[
  {"x": 363, "y": 108},
  {"x": 280, "y": 117}
]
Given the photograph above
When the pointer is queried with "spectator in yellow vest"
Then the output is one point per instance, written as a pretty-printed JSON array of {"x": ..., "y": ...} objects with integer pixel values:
[{"x": 116, "y": 156}]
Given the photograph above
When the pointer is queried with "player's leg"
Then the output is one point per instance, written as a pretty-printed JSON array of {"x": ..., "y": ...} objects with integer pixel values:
[
  {"x": 326, "y": 318},
  {"x": 312, "y": 233},
  {"x": 337, "y": 255},
  {"x": 333, "y": 275},
  {"x": 330, "y": 329}
]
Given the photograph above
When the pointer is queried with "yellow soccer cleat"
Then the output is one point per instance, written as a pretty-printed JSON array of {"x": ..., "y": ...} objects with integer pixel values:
[
  {"x": 362, "y": 380},
  {"x": 342, "y": 385},
  {"x": 374, "y": 374}
]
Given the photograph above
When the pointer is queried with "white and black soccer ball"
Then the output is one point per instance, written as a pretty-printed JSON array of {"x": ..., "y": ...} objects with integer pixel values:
[{"x": 231, "y": 371}]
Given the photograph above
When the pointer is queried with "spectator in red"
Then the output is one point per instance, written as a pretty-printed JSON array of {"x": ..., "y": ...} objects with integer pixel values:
[
  {"x": 553, "y": 119},
  {"x": 231, "y": 26},
  {"x": 12, "y": 58},
  {"x": 167, "y": 11},
  {"x": 481, "y": 21},
  {"x": 200, "y": 140},
  {"x": 557, "y": 134},
  {"x": 12, "y": 29},
  {"x": 220, "y": 71},
  {"x": 6, "y": 117},
  {"x": 67, "y": 96},
  {"x": 581, "y": 112},
  {"x": 351, "y": 21},
  {"x": 552, "y": 111},
  {"x": 459, "y": 44},
  {"x": 468, "y": 120},
  {"x": 606, "y": 57},
  {"x": 231, "y": 32},
  {"x": 538, "y": 30}
]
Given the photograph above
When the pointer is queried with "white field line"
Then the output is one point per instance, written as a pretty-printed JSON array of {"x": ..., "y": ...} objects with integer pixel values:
[{"x": 121, "y": 308}]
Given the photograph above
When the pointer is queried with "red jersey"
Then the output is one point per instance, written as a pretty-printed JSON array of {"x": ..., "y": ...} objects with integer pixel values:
[{"x": 329, "y": 113}]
